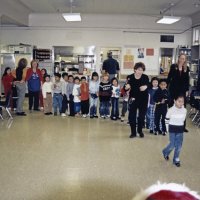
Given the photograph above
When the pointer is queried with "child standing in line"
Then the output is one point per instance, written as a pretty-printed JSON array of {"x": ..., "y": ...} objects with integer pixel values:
[
  {"x": 77, "y": 96},
  {"x": 84, "y": 97},
  {"x": 57, "y": 94},
  {"x": 150, "y": 116},
  {"x": 94, "y": 93},
  {"x": 125, "y": 95},
  {"x": 105, "y": 92},
  {"x": 7, "y": 80},
  {"x": 70, "y": 96},
  {"x": 47, "y": 95},
  {"x": 64, "y": 94},
  {"x": 176, "y": 116},
  {"x": 44, "y": 73},
  {"x": 161, "y": 99},
  {"x": 115, "y": 99}
]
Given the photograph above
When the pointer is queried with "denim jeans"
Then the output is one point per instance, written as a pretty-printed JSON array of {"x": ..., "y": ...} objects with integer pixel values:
[
  {"x": 115, "y": 107},
  {"x": 57, "y": 102},
  {"x": 104, "y": 108},
  {"x": 77, "y": 107},
  {"x": 124, "y": 108},
  {"x": 176, "y": 140},
  {"x": 93, "y": 106}
]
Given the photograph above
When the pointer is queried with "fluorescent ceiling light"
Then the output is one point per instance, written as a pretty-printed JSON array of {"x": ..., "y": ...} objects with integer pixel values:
[
  {"x": 72, "y": 17},
  {"x": 168, "y": 20}
]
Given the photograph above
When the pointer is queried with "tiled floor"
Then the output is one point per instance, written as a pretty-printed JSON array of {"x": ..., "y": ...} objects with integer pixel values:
[{"x": 54, "y": 158}]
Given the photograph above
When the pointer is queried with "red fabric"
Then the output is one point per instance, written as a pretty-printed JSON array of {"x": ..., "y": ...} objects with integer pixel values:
[
  {"x": 30, "y": 72},
  {"x": 7, "y": 83},
  {"x": 84, "y": 91},
  {"x": 171, "y": 195}
]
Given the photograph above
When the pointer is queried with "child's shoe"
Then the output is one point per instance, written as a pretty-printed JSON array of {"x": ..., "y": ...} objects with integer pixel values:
[
  {"x": 122, "y": 119},
  {"x": 95, "y": 116},
  {"x": 178, "y": 164},
  {"x": 63, "y": 115},
  {"x": 151, "y": 131},
  {"x": 164, "y": 133},
  {"x": 156, "y": 133}
]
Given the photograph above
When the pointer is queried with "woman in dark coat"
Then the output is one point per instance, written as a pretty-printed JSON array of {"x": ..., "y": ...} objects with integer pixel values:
[{"x": 178, "y": 79}]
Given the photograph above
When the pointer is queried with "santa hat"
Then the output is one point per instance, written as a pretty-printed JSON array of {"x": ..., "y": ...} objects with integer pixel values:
[{"x": 167, "y": 191}]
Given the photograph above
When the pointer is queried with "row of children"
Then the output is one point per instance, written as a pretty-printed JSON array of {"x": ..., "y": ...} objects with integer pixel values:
[{"x": 81, "y": 97}]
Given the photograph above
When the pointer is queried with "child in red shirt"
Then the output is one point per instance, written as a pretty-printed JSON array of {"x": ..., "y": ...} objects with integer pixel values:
[
  {"x": 84, "y": 97},
  {"x": 7, "y": 80}
]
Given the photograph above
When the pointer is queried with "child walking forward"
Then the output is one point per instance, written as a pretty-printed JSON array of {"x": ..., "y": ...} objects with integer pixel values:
[
  {"x": 161, "y": 99},
  {"x": 150, "y": 116},
  {"x": 176, "y": 116}
]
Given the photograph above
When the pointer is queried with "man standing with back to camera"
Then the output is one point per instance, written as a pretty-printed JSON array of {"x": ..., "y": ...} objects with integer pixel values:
[{"x": 111, "y": 66}]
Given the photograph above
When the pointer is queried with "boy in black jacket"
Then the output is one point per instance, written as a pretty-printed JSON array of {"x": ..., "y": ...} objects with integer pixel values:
[
  {"x": 105, "y": 92},
  {"x": 161, "y": 99}
]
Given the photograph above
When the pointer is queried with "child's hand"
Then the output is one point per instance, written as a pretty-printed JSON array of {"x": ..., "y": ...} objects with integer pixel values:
[{"x": 127, "y": 87}]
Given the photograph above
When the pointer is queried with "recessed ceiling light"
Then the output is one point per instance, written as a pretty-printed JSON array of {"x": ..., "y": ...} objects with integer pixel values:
[
  {"x": 168, "y": 20},
  {"x": 72, "y": 17}
]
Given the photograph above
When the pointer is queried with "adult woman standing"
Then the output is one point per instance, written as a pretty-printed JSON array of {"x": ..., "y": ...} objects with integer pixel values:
[
  {"x": 20, "y": 76},
  {"x": 34, "y": 79},
  {"x": 138, "y": 99},
  {"x": 178, "y": 79}
]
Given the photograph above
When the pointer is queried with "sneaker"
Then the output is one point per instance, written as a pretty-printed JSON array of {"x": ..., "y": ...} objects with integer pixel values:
[
  {"x": 164, "y": 133},
  {"x": 63, "y": 115},
  {"x": 102, "y": 116},
  {"x": 107, "y": 116},
  {"x": 95, "y": 116},
  {"x": 41, "y": 108},
  {"x": 151, "y": 131},
  {"x": 166, "y": 157},
  {"x": 84, "y": 116},
  {"x": 155, "y": 133},
  {"x": 50, "y": 113},
  {"x": 178, "y": 164},
  {"x": 91, "y": 116},
  {"x": 185, "y": 130},
  {"x": 122, "y": 119}
]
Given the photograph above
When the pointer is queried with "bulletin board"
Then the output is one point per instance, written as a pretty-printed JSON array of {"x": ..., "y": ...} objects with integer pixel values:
[{"x": 132, "y": 55}]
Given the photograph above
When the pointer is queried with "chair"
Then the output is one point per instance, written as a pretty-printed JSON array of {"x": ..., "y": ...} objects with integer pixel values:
[{"x": 3, "y": 107}]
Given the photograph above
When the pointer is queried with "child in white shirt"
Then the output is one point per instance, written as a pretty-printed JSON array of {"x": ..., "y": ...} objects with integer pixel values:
[
  {"x": 176, "y": 116},
  {"x": 115, "y": 99},
  {"x": 47, "y": 95},
  {"x": 77, "y": 96}
]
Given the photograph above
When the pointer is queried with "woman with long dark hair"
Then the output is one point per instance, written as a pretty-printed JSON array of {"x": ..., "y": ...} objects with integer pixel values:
[
  {"x": 7, "y": 80},
  {"x": 178, "y": 80},
  {"x": 20, "y": 77}
]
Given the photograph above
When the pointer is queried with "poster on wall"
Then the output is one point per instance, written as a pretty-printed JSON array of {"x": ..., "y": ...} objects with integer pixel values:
[
  {"x": 128, "y": 59},
  {"x": 149, "y": 56},
  {"x": 149, "y": 52},
  {"x": 140, "y": 53}
]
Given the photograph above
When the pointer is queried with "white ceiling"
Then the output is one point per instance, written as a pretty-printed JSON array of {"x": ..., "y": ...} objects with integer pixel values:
[
  {"x": 127, "y": 7},
  {"x": 144, "y": 7}
]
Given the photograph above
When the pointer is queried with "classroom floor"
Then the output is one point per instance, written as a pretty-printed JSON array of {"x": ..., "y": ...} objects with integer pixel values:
[{"x": 55, "y": 158}]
